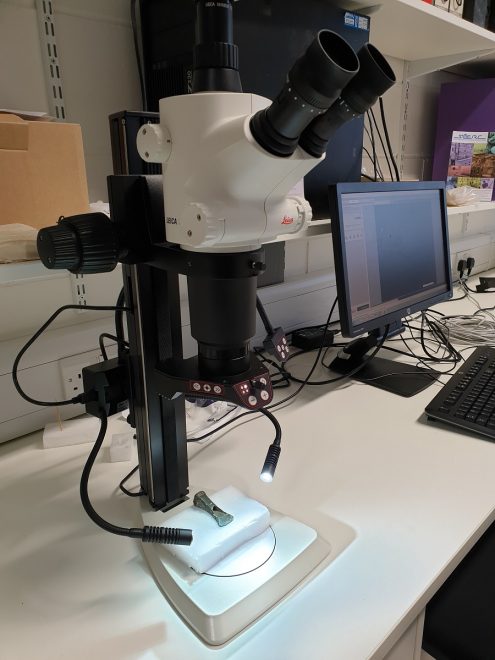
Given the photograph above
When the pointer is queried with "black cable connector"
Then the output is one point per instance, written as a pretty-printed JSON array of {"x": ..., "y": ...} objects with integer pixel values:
[{"x": 169, "y": 535}]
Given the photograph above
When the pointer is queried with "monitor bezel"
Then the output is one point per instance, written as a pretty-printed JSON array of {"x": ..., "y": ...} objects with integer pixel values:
[{"x": 341, "y": 274}]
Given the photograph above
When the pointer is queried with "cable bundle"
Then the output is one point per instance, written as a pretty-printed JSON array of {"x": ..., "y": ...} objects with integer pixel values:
[{"x": 476, "y": 329}]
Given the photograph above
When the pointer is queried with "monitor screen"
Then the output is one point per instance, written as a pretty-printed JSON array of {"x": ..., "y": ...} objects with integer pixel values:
[{"x": 391, "y": 252}]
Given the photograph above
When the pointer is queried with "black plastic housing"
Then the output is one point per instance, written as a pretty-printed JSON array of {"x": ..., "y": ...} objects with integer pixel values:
[{"x": 107, "y": 386}]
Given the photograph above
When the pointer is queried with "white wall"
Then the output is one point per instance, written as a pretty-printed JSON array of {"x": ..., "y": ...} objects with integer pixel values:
[{"x": 98, "y": 69}]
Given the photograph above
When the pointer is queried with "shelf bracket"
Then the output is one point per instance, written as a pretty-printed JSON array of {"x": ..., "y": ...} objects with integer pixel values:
[
  {"x": 429, "y": 65},
  {"x": 48, "y": 41}
]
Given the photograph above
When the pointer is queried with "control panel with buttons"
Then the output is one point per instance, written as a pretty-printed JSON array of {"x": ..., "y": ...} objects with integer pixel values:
[
  {"x": 203, "y": 387},
  {"x": 254, "y": 393},
  {"x": 251, "y": 389}
]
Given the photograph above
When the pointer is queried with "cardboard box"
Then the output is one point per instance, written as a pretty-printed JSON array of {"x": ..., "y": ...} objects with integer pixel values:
[{"x": 42, "y": 172}]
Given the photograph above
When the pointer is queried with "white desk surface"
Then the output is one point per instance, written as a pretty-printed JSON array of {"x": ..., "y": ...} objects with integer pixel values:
[{"x": 417, "y": 494}]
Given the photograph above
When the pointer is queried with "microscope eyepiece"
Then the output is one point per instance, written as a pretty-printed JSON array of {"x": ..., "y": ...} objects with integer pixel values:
[
  {"x": 215, "y": 55},
  {"x": 375, "y": 76},
  {"x": 313, "y": 84}
]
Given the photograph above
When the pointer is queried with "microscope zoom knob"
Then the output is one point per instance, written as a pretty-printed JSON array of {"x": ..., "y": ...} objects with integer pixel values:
[{"x": 81, "y": 244}]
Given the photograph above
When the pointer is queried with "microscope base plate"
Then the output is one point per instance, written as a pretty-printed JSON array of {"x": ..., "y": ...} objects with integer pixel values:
[{"x": 218, "y": 607}]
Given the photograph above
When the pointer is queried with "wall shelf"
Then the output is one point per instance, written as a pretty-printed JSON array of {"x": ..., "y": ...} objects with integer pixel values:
[
  {"x": 426, "y": 37},
  {"x": 479, "y": 207}
]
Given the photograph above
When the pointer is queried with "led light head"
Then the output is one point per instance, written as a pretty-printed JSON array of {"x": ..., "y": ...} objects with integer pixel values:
[{"x": 270, "y": 464}]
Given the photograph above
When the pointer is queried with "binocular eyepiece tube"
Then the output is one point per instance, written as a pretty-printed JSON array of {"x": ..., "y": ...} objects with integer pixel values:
[
  {"x": 313, "y": 84},
  {"x": 326, "y": 87},
  {"x": 374, "y": 78}
]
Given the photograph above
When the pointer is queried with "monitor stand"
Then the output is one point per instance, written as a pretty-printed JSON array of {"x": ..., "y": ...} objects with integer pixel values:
[{"x": 396, "y": 377}]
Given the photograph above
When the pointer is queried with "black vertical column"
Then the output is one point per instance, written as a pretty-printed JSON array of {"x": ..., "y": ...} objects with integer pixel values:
[{"x": 154, "y": 328}]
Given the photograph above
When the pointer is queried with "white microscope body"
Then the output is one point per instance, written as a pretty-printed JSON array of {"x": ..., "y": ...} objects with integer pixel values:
[{"x": 222, "y": 190}]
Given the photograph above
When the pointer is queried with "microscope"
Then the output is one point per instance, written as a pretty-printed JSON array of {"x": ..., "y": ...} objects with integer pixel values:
[{"x": 231, "y": 164}]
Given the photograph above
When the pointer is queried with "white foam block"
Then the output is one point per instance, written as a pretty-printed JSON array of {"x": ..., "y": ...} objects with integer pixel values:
[
  {"x": 212, "y": 543},
  {"x": 121, "y": 447},
  {"x": 71, "y": 432}
]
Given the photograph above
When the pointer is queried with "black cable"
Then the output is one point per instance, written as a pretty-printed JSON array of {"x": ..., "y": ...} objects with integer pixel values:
[
  {"x": 387, "y": 137},
  {"x": 263, "y": 316},
  {"x": 138, "y": 55},
  {"x": 313, "y": 327},
  {"x": 382, "y": 143},
  {"x": 139, "y": 493},
  {"x": 438, "y": 332},
  {"x": 77, "y": 399},
  {"x": 227, "y": 414},
  {"x": 371, "y": 159},
  {"x": 267, "y": 360},
  {"x": 119, "y": 319},
  {"x": 464, "y": 295},
  {"x": 276, "y": 424},
  {"x": 175, "y": 536},
  {"x": 352, "y": 372},
  {"x": 484, "y": 309},
  {"x": 468, "y": 288},
  {"x": 315, "y": 364},
  {"x": 423, "y": 361},
  {"x": 450, "y": 359},
  {"x": 107, "y": 335},
  {"x": 371, "y": 137},
  {"x": 222, "y": 426}
]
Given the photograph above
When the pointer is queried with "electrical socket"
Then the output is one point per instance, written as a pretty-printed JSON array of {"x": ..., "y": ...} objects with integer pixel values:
[
  {"x": 78, "y": 289},
  {"x": 482, "y": 255},
  {"x": 71, "y": 371},
  {"x": 460, "y": 256}
]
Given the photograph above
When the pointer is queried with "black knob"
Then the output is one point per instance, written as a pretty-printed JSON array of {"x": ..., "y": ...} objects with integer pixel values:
[
  {"x": 85, "y": 243},
  {"x": 257, "y": 385},
  {"x": 258, "y": 266}
]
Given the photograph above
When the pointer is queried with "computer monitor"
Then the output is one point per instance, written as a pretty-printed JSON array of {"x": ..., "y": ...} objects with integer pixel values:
[{"x": 391, "y": 250}]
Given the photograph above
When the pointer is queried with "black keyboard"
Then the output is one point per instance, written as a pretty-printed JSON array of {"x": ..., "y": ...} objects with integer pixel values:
[{"x": 468, "y": 399}]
